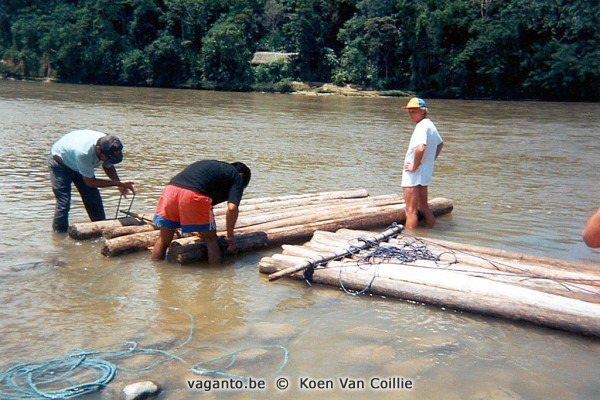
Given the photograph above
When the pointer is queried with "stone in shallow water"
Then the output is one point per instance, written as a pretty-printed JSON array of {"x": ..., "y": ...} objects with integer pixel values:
[
  {"x": 140, "y": 390},
  {"x": 272, "y": 330},
  {"x": 368, "y": 332},
  {"x": 496, "y": 394},
  {"x": 410, "y": 368},
  {"x": 372, "y": 353}
]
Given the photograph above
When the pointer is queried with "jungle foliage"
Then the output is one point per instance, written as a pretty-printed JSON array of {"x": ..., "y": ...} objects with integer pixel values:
[{"x": 544, "y": 49}]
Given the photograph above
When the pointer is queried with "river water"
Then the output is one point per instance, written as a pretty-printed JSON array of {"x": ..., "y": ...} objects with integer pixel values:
[{"x": 524, "y": 176}]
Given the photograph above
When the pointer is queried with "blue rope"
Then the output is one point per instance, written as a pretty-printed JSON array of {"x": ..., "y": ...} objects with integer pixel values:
[
  {"x": 32, "y": 381},
  {"x": 410, "y": 250},
  {"x": 83, "y": 372}
]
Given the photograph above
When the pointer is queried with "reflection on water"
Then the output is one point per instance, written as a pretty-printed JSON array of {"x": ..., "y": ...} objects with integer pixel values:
[{"x": 523, "y": 177}]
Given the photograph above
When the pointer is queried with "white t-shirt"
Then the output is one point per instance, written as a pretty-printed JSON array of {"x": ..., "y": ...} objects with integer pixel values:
[{"x": 425, "y": 133}]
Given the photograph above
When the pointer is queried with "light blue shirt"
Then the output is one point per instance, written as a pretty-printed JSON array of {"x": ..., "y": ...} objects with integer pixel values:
[{"x": 78, "y": 151}]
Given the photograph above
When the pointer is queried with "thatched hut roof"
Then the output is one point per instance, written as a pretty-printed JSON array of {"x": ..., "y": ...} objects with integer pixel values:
[{"x": 267, "y": 57}]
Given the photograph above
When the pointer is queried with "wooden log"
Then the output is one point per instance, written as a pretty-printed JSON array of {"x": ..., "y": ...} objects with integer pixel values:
[
  {"x": 244, "y": 243},
  {"x": 550, "y": 262},
  {"x": 323, "y": 215},
  {"x": 112, "y": 233},
  {"x": 129, "y": 244},
  {"x": 335, "y": 206},
  {"x": 90, "y": 230},
  {"x": 361, "y": 217},
  {"x": 518, "y": 277},
  {"x": 265, "y": 204},
  {"x": 450, "y": 289},
  {"x": 303, "y": 251},
  {"x": 340, "y": 194},
  {"x": 506, "y": 300},
  {"x": 523, "y": 264}
]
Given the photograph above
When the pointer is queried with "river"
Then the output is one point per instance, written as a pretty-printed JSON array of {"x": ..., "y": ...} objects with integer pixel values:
[{"x": 524, "y": 177}]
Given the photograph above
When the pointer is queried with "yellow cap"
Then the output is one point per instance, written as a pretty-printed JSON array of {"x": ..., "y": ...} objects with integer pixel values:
[{"x": 415, "y": 102}]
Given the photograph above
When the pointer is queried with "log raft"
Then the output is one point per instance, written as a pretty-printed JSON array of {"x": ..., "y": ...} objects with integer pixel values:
[
  {"x": 539, "y": 290},
  {"x": 264, "y": 222}
]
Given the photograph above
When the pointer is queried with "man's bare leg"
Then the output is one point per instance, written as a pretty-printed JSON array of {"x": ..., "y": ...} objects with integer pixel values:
[
  {"x": 411, "y": 210},
  {"x": 212, "y": 246},
  {"x": 162, "y": 244},
  {"x": 423, "y": 206}
]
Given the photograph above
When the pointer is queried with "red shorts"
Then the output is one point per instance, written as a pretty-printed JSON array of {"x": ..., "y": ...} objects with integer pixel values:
[{"x": 185, "y": 209}]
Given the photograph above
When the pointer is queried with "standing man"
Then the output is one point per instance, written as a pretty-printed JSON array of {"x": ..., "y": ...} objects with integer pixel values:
[
  {"x": 424, "y": 148},
  {"x": 187, "y": 203},
  {"x": 73, "y": 159}
]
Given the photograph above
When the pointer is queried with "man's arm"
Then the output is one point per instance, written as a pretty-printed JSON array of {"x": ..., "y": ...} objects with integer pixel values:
[
  {"x": 113, "y": 181},
  {"x": 439, "y": 150},
  {"x": 419, "y": 152},
  {"x": 230, "y": 219}
]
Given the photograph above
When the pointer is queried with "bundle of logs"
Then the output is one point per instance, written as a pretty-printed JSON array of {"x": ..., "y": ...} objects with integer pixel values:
[
  {"x": 549, "y": 292},
  {"x": 262, "y": 222}
]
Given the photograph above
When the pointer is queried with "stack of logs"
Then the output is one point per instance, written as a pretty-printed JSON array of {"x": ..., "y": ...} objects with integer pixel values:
[
  {"x": 544, "y": 291},
  {"x": 262, "y": 222}
]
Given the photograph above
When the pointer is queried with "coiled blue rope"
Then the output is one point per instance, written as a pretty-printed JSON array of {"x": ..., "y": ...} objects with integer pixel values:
[{"x": 83, "y": 372}]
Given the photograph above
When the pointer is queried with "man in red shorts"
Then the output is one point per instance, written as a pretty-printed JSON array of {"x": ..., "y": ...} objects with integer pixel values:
[{"x": 187, "y": 203}]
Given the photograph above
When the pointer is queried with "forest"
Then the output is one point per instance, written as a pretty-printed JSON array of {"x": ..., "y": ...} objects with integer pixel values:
[{"x": 496, "y": 49}]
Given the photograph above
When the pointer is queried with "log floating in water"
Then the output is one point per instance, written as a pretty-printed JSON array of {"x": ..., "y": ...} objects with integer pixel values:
[
  {"x": 268, "y": 204},
  {"x": 129, "y": 244},
  {"x": 112, "y": 233},
  {"x": 461, "y": 286},
  {"x": 538, "y": 260},
  {"x": 244, "y": 243},
  {"x": 90, "y": 230}
]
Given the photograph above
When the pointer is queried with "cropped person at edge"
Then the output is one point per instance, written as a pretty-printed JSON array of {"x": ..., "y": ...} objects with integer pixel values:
[
  {"x": 591, "y": 232},
  {"x": 424, "y": 148},
  {"x": 73, "y": 159}
]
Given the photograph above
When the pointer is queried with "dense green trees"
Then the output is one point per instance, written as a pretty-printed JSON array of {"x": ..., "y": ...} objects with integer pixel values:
[{"x": 452, "y": 48}]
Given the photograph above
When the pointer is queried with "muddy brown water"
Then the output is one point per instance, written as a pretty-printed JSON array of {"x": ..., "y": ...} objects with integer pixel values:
[{"x": 524, "y": 176}]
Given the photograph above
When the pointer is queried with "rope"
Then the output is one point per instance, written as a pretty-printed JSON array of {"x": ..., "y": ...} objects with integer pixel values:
[
  {"x": 412, "y": 249},
  {"x": 84, "y": 371}
]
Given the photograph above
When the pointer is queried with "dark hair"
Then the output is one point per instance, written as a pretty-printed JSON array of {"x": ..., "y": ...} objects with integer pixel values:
[{"x": 244, "y": 170}]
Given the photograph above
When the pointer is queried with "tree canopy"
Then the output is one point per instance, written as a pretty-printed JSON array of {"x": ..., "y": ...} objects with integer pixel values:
[{"x": 510, "y": 49}]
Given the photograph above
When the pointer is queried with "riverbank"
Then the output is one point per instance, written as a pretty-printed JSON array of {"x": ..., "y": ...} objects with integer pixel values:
[
  {"x": 297, "y": 88},
  {"x": 320, "y": 89}
]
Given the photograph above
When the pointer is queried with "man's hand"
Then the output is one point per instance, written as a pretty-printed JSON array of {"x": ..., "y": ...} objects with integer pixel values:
[
  {"x": 231, "y": 248},
  {"x": 409, "y": 167},
  {"x": 126, "y": 186}
]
